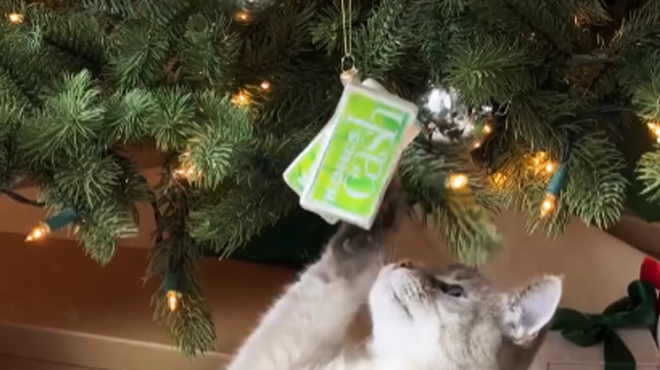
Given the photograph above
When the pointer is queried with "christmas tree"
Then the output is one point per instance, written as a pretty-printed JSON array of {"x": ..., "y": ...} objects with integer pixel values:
[{"x": 230, "y": 91}]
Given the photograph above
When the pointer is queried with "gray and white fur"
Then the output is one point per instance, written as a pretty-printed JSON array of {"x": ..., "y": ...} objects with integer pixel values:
[{"x": 422, "y": 318}]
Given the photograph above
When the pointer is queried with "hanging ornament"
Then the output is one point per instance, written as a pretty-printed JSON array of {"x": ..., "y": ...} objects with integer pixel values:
[
  {"x": 446, "y": 117},
  {"x": 254, "y": 10},
  {"x": 344, "y": 172}
]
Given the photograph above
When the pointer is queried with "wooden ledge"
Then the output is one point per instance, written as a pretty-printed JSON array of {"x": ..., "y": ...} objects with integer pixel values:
[{"x": 59, "y": 306}]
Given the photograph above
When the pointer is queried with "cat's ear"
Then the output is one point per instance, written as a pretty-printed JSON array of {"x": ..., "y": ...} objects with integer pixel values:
[{"x": 530, "y": 309}]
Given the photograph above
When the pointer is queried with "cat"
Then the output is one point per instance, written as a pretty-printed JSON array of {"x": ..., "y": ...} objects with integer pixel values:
[{"x": 422, "y": 318}]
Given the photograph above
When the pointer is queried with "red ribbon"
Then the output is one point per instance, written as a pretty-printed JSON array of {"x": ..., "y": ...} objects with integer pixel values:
[{"x": 650, "y": 272}]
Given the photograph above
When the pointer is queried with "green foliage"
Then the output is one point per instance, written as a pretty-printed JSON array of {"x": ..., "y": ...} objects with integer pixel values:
[
  {"x": 174, "y": 119},
  {"x": 11, "y": 96},
  {"x": 221, "y": 144},
  {"x": 461, "y": 218},
  {"x": 139, "y": 55},
  {"x": 649, "y": 173},
  {"x": 210, "y": 51},
  {"x": 68, "y": 123},
  {"x": 129, "y": 115},
  {"x": 493, "y": 70},
  {"x": 327, "y": 28},
  {"x": 382, "y": 42},
  {"x": 191, "y": 326},
  {"x": 78, "y": 32},
  {"x": 81, "y": 79},
  {"x": 228, "y": 218},
  {"x": 597, "y": 187},
  {"x": 647, "y": 96},
  {"x": 641, "y": 27}
]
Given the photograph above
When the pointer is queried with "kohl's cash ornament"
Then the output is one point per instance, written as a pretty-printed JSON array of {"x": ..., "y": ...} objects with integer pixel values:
[
  {"x": 345, "y": 170},
  {"x": 299, "y": 171}
]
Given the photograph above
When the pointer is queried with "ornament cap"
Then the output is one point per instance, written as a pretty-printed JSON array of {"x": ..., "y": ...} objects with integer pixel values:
[{"x": 350, "y": 76}]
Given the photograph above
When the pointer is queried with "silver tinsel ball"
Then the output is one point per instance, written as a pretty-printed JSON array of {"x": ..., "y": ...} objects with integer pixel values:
[{"x": 446, "y": 117}]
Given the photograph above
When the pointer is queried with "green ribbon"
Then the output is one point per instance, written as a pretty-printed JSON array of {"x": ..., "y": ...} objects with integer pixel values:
[{"x": 639, "y": 308}]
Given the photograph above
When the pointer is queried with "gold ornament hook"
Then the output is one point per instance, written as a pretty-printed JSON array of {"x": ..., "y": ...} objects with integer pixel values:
[{"x": 349, "y": 74}]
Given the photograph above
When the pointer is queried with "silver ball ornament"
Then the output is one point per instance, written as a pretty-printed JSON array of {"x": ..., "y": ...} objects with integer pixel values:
[{"x": 446, "y": 117}]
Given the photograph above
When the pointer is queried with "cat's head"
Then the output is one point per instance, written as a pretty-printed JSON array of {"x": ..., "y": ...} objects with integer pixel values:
[{"x": 452, "y": 316}]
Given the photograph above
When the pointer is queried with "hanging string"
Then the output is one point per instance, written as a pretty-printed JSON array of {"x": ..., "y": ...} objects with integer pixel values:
[{"x": 347, "y": 61}]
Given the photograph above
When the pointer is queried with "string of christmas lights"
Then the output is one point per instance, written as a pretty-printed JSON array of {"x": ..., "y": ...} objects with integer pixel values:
[
  {"x": 171, "y": 287},
  {"x": 545, "y": 166},
  {"x": 15, "y": 18},
  {"x": 52, "y": 224}
]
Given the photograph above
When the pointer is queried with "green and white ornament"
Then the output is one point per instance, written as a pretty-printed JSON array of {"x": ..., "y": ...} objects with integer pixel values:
[{"x": 357, "y": 155}]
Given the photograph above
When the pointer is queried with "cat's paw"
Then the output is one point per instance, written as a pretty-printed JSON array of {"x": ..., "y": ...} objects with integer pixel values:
[
  {"x": 355, "y": 257},
  {"x": 351, "y": 241},
  {"x": 355, "y": 248}
]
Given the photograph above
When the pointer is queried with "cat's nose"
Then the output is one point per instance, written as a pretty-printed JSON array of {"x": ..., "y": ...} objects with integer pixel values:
[{"x": 405, "y": 264}]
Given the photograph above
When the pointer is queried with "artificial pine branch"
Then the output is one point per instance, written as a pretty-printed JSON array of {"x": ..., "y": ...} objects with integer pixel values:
[
  {"x": 648, "y": 169},
  {"x": 597, "y": 187},
  {"x": 462, "y": 221},
  {"x": 190, "y": 326}
]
